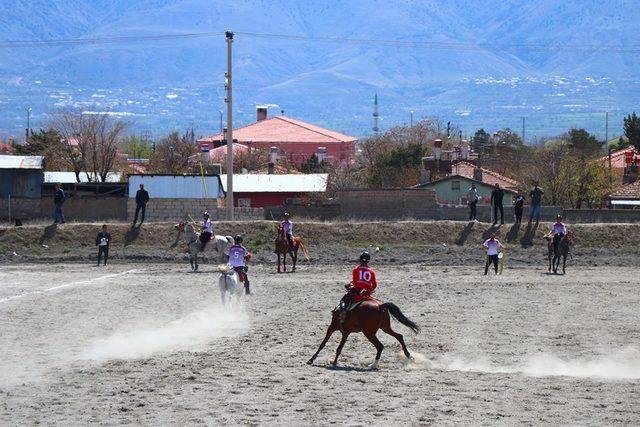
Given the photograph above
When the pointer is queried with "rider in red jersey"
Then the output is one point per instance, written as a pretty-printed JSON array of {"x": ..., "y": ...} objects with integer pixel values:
[{"x": 363, "y": 285}]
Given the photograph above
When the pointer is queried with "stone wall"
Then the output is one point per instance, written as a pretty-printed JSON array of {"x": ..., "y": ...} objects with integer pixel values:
[
  {"x": 602, "y": 215},
  {"x": 74, "y": 208}
]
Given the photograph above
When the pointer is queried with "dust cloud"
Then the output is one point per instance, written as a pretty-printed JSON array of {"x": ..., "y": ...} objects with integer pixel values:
[{"x": 189, "y": 333}]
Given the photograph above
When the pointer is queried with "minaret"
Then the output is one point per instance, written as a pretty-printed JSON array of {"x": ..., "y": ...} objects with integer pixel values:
[{"x": 376, "y": 129}]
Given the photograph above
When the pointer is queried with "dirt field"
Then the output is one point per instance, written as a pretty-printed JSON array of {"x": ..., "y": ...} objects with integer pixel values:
[{"x": 149, "y": 343}]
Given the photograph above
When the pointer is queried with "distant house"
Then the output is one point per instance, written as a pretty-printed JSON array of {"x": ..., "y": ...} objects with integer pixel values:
[
  {"x": 452, "y": 190},
  {"x": 6, "y": 148},
  {"x": 627, "y": 196},
  {"x": 624, "y": 163},
  {"x": 262, "y": 190},
  {"x": 289, "y": 138}
]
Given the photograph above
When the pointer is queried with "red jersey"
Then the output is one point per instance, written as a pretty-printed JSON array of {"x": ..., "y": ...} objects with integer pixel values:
[{"x": 364, "y": 278}]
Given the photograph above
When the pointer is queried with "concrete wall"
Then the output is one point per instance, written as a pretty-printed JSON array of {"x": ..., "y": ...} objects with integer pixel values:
[
  {"x": 180, "y": 209},
  {"x": 74, "y": 208},
  {"x": 395, "y": 203},
  {"x": 601, "y": 215}
]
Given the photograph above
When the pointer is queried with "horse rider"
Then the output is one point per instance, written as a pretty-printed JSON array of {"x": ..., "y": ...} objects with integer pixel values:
[
  {"x": 238, "y": 254},
  {"x": 287, "y": 226},
  {"x": 207, "y": 230},
  {"x": 362, "y": 286},
  {"x": 558, "y": 230}
]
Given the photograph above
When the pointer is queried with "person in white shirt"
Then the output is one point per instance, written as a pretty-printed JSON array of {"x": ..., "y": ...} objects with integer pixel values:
[
  {"x": 493, "y": 246},
  {"x": 558, "y": 230},
  {"x": 472, "y": 201},
  {"x": 287, "y": 226},
  {"x": 207, "y": 230}
]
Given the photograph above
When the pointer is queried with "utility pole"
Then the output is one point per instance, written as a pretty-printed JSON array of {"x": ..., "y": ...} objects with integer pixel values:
[
  {"x": 28, "y": 125},
  {"x": 230, "y": 216},
  {"x": 221, "y": 127},
  {"x": 523, "y": 136},
  {"x": 411, "y": 120},
  {"x": 606, "y": 135}
]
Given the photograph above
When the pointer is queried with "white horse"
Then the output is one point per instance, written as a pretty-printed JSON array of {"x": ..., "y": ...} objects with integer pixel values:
[
  {"x": 217, "y": 247},
  {"x": 230, "y": 284}
]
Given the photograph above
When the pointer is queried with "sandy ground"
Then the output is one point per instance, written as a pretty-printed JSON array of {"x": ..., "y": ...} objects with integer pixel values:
[{"x": 150, "y": 344}]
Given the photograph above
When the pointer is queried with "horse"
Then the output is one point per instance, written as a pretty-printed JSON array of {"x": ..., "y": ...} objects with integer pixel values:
[
  {"x": 367, "y": 317},
  {"x": 219, "y": 245},
  {"x": 229, "y": 282},
  {"x": 282, "y": 248},
  {"x": 563, "y": 251}
]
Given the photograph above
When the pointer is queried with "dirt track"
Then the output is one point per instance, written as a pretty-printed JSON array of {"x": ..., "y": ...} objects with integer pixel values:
[{"x": 149, "y": 344}]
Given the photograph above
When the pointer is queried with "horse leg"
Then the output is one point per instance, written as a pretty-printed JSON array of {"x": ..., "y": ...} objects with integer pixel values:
[
  {"x": 371, "y": 336},
  {"x": 343, "y": 340},
  {"x": 549, "y": 256},
  {"x": 564, "y": 263},
  {"x": 386, "y": 328},
  {"x": 284, "y": 262},
  {"x": 330, "y": 330},
  {"x": 294, "y": 259},
  {"x": 278, "y": 262},
  {"x": 222, "y": 285}
]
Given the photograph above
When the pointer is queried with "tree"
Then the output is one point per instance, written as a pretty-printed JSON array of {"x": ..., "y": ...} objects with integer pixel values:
[
  {"x": 632, "y": 129},
  {"x": 313, "y": 165},
  {"x": 480, "y": 139},
  {"x": 91, "y": 141},
  {"x": 136, "y": 148},
  {"x": 584, "y": 142},
  {"x": 47, "y": 143},
  {"x": 507, "y": 137},
  {"x": 173, "y": 152}
]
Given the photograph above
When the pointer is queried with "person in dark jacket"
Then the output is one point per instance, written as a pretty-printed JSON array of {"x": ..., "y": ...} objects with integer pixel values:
[
  {"x": 58, "y": 200},
  {"x": 496, "y": 201},
  {"x": 518, "y": 206},
  {"x": 142, "y": 197},
  {"x": 103, "y": 239},
  {"x": 536, "y": 202}
]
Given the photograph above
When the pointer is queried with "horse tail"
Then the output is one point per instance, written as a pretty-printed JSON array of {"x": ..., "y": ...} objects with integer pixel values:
[
  {"x": 303, "y": 248},
  {"x": 397, "y": 314}
]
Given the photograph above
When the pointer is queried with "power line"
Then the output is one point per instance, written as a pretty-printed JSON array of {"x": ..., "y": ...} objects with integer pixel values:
[{"x": 410, "y": 44}]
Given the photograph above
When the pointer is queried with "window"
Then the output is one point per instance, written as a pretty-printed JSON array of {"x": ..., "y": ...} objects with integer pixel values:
[
  {"x": 244, "y": 203},
  {"x": 455, "y": 185}
]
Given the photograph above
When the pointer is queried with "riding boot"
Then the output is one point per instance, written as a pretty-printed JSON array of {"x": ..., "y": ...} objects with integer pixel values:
[{"x": 247, "y": 290}]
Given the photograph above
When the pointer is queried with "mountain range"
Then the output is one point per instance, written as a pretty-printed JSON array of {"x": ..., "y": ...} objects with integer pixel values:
[{"x": 478, "y": 63}]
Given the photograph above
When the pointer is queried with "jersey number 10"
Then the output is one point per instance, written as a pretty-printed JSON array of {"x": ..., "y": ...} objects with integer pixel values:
[{"x": 364, "y": 276}]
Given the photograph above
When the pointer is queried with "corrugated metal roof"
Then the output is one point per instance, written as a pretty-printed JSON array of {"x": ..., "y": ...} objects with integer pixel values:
[
  {"x": 21, "y": 162},
  {"x": 264, "y": 183},
  {"x": 70, "y": 177}
]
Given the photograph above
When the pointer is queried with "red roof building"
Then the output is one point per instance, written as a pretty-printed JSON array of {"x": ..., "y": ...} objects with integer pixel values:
[
  {"x": 627, "y": 195},
  {"x": 290, "y": 138},
  {"x": 486, "y": 176}
]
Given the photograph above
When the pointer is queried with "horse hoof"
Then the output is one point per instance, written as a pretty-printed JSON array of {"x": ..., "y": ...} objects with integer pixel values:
[
  {"x": 310, "y": 362},
  {"x": 373, "y": 366}
]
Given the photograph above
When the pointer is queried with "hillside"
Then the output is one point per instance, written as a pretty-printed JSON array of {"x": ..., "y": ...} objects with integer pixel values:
[
  {"x": 428, "y": 243},
  {"x": 506, "y": 62}
]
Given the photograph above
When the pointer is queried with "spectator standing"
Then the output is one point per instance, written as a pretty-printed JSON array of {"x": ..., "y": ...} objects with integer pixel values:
[
  {"x": 142, "y": 197},
  {"x": 103, "y": 238},
  {"x": 493, "y": 246},
  {"x": 497, "y": 195},
  {"x": 536, "y": 202},
  {"x": 58, "y": 200},
  {"x": 518, "y": 206},
  {"x": 472, "y": 201}
]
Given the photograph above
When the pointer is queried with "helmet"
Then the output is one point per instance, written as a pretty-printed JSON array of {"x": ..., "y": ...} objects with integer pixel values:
[
  {"x": 365, "y": 257},
  {"x": 205, "y": 213},
  {"x": 286, "y": 214},
  {"x": 238, "y": 239}
]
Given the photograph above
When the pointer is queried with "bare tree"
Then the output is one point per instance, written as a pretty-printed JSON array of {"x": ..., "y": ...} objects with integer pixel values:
[
  {"x": 173, "y": 152},
  {"x": 91, "y": 141}
]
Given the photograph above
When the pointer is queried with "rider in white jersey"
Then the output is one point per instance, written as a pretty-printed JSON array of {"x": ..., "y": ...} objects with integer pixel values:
[
  {"x": 238, "y": 254},
  {"x": 287, "y": 226}
]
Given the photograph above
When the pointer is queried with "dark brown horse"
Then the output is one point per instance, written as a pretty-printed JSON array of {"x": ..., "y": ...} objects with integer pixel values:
[
  {"x": 563, "y": 251},
  {"x": 283, "y": 248},
  {"x": 367, "y": 318}
]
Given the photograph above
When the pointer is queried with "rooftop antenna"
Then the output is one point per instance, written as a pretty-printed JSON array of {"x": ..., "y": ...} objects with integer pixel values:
[{"x": 376, "y": 115}]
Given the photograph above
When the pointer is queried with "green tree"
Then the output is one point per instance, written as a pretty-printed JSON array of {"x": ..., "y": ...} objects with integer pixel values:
[
  {"x": 480, "y": 138},
  {"x": 584, "y": 142},
  {"x": 507, "y": 137},
  {"x": 313, "y": 165},
  {"x": 632, "y": 129},
  {"x": 47, "y": 143},
  {"x": 136, "y": 148}
]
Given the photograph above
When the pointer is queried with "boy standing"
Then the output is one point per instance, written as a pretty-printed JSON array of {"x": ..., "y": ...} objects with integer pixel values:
[{"x": 103, "y": 239}]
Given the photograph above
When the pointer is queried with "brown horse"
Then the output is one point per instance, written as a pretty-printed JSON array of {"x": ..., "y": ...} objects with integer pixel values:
[
  {"x": 282, "y": 249},
  {"x": 563, "y": 251},
  {"x": 367, "y": 318}
]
